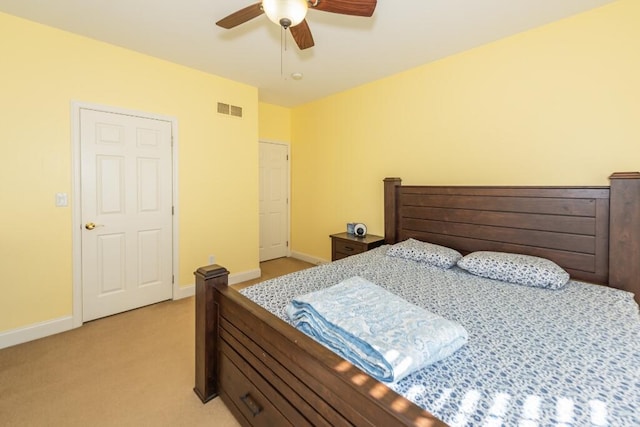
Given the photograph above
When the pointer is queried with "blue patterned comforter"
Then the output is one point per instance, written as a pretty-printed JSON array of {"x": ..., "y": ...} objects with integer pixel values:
[
  {"x": 382, "y": 334},
  {"x": 535, "y": 357}
]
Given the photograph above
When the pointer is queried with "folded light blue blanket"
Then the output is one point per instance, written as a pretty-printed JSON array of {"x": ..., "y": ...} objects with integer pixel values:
[{"x": 382, "y": 334}]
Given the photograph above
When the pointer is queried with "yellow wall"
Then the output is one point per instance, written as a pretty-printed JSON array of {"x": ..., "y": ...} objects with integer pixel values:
[
  {"x": 555, "y": 105},
  {"x": 274, "y": 123},
  {"x": 558, "y": 105},
  {"x": 42, "y": 71}
]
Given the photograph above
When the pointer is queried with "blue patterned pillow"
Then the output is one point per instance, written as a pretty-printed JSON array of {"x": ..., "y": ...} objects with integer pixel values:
[
  {"x": 515, "y": 268},
  {"x": 439, "y": 256}
]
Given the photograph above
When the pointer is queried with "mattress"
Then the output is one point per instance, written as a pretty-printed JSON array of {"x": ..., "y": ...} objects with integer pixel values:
[{"x": 535, "y": 356}]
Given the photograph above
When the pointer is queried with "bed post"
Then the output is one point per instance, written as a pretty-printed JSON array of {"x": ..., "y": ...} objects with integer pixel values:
[
  {"x": 390, "y": 212},
  {"x": 624, "y": 232},
  {"x": 207, "y": 278}
]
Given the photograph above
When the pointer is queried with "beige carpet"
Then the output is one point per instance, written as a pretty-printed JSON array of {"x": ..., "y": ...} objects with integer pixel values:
[{"x": 132, "y": 369}]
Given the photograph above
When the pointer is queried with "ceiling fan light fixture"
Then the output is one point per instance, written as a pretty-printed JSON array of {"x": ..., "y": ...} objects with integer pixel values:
[{"x": 286, "y": 13}]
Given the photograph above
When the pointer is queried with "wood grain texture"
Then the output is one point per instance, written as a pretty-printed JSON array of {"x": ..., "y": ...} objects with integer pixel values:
[
  {"x": 568, "y": 225},
  {"x": 625, "y": 232}
]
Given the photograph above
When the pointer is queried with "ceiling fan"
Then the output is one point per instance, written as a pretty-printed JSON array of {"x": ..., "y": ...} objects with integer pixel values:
[{"x": 290, "y": 14}]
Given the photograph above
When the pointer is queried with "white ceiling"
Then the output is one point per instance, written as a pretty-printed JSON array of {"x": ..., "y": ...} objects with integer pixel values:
[{"x": 349, "y": 51}]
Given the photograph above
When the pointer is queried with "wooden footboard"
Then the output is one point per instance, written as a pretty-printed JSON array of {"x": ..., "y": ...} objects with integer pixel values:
[{"x": 268, "y": 373}]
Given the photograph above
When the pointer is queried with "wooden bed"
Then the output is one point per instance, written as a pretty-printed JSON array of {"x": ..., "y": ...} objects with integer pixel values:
[{"x": 268, "y": 373}]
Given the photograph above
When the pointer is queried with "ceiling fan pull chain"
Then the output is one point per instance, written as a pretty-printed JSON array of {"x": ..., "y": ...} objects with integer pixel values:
[{"x": 283, "y": 49}]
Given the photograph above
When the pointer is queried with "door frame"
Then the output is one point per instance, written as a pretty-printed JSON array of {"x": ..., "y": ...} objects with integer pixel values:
[
  {"x": 76, "y": 214},
  {"x": 288, "y": 146}
]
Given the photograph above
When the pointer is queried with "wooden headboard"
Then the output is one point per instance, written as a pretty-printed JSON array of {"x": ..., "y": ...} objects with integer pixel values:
[{"x": 592, "y": 232}]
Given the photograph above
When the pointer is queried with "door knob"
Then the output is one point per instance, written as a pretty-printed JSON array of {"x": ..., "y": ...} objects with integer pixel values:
[{"x": 91, "y": 225}]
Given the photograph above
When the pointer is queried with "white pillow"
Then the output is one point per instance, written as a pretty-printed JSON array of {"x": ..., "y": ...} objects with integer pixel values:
[
  {"x": 439, "y": 256},
  {"x": 515, "y": 268}
]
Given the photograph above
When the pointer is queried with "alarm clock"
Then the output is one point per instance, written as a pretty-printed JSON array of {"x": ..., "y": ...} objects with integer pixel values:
[{"x": 360, "y": 230}]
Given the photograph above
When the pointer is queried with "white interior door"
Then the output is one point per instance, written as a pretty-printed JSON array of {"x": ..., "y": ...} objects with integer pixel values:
[
  {"x": 126, "y": 211},
  {"x": 274, "y": 201}
]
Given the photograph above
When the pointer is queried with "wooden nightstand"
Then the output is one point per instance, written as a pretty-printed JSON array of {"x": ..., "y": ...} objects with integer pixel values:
[{"x": 344, "y": 244}]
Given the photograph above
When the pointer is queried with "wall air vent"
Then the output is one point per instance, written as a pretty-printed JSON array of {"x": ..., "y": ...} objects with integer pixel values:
[
  {"x": 236, "y": 111},
  {"x": 229, "y": 110},
  {"x": 223, "y": 108}
]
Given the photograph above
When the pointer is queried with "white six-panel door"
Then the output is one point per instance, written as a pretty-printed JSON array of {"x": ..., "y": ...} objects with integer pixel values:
[
  {"x": 126, "y": 180},
  {"x": 274, "y": 206}
]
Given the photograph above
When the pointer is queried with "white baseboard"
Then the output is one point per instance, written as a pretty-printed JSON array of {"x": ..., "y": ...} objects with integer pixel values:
[
  {"x": 308, "y": 258},
  {"x": 180, "y": 292},
  {"x": 190, "y": 290},
  {"x": 235, "y": 278},
  {"x": 244, "y": 276},
  {"x": 62, "y": 324},
  {"x": 35, "y": 331}
]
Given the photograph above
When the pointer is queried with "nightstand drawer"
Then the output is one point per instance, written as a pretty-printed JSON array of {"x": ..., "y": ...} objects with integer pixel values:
[
  {"x": 347, "y": 248},
  {"x": 344, "y": 244}
]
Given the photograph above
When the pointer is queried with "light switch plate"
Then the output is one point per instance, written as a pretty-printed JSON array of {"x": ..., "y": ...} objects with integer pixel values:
[{"x": 62, "y": 200}]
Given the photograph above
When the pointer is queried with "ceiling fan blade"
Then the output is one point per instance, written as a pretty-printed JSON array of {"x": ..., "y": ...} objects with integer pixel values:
[
  {"x": 302, "y": 35},
  {"x": 241, "y": 16},
  {"x": 346, "y": 7}
]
